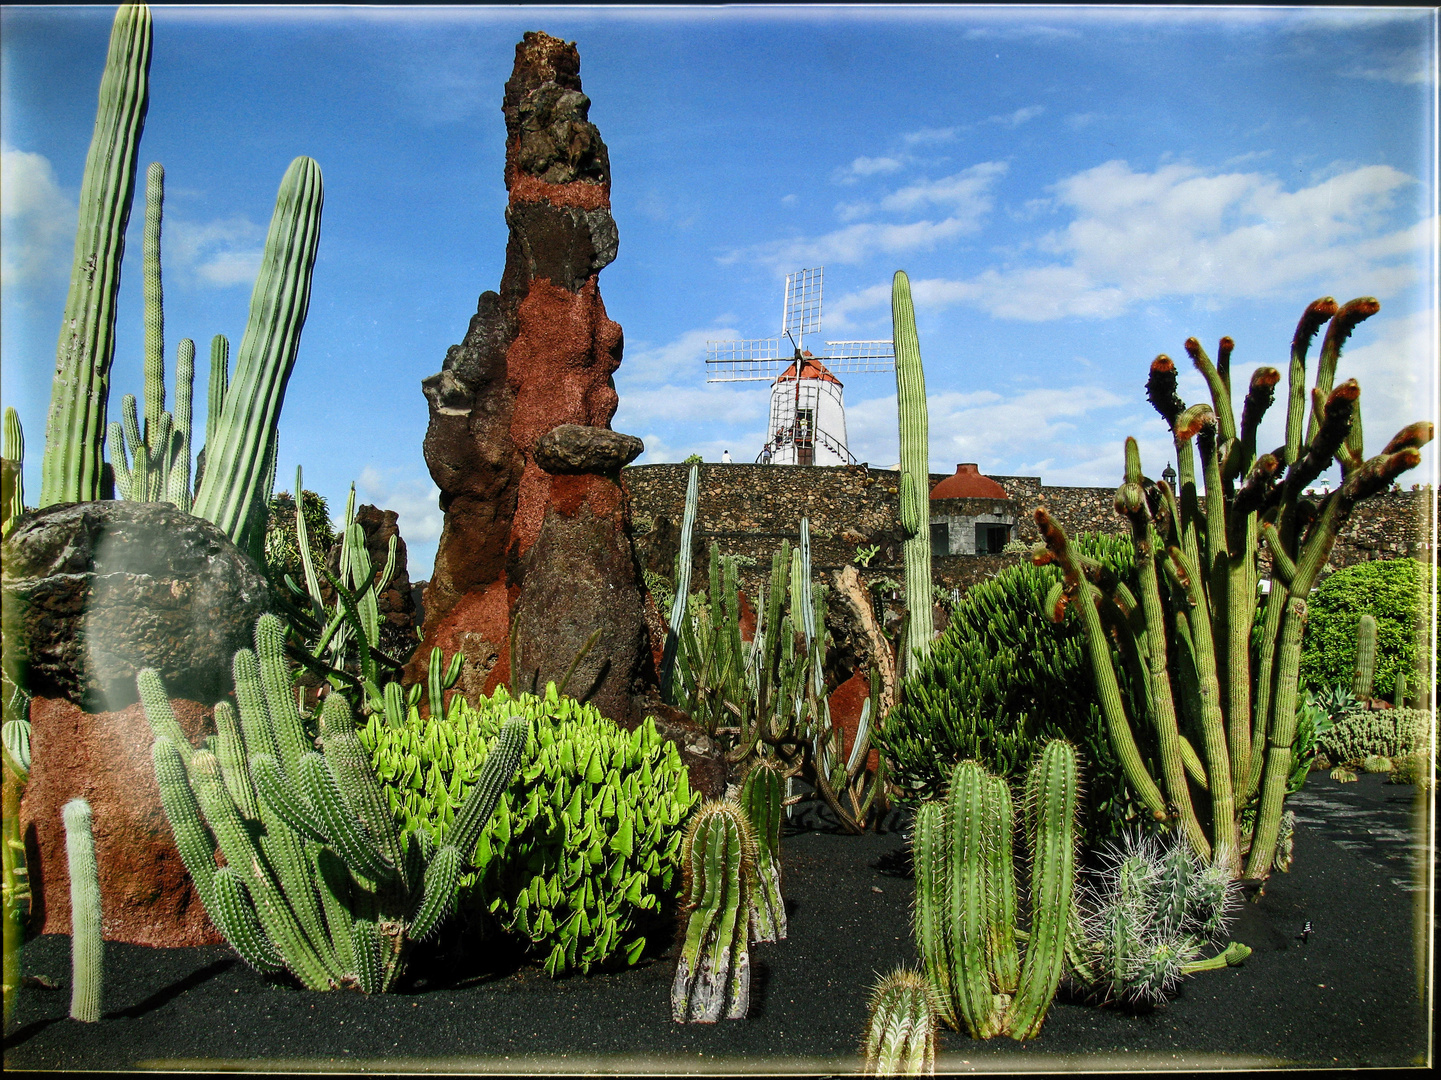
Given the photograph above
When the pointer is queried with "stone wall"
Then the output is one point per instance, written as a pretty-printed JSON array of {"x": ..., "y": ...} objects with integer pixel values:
[{"x": 749, "y": 509}]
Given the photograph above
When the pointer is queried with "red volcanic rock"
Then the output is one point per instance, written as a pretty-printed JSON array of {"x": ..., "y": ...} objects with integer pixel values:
[
  {"x": 146, "y": 895},
  {"x": 845, "y": 702},
  {"x": 546, "y": 552}
]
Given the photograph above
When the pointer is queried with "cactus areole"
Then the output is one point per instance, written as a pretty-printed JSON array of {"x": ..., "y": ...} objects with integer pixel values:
[{"x": 1217, "y": 651}]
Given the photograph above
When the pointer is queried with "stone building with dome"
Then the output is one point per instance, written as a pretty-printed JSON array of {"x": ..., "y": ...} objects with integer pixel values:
[{"x": 971, "y": 514}]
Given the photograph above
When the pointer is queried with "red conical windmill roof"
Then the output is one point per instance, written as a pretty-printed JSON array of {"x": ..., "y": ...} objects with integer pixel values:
[{"x": 811, "y": 368}]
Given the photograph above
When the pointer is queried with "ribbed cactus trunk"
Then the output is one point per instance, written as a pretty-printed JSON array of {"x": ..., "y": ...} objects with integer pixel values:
[
  {"x": 901, "y": 1038},
  {"x": 712, "y": 978},
  {"x": 915, "y": 478},
  {"x": 87, "y": 943},
  {"x": 1365, "y": 657},
  {"x": 154, "y": 297},
  {"x": 240, "y": 461},
  {"x": 75, "y": 430},
  {"x": 761, "y": 797}
]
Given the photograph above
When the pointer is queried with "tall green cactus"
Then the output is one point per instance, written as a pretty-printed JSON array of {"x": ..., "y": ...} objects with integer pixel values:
[
  {"x": 240, "y": 457},
  {"x": 12, "y": 504},
  {"x": 1365, "y": 657},
  {"x": 75, "y": 429},
  {"x": 87, "y": 943},
  {"x": 682, "y": 587},
  {"x": 1211, "y": 675},
  {"x": 761, "y": 799},
  {"x": 317, "y": 880},
  {"x": 915, "y": 478},
  {"x": 966, "y": 909},
  {"x": 712, "y": 977},
  {"x": 901, "y": 1038}
]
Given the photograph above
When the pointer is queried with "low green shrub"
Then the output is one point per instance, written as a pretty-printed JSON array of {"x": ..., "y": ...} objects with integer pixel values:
[
  {"x": 1002, "y": 681},
  {"x": 1367, "y": 733},
  {"x": 1392, "y": 590},
  {"x": 583, "y": 851}
]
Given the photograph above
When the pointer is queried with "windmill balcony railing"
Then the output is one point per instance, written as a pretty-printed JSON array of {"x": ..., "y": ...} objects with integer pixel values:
[{"x": 806, "y": 437}]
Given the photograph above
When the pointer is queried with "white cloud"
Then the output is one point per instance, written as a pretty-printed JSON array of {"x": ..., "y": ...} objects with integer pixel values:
[
  {"x": 1017, "y": 118},
  {"x": 37, "y": 220},
  {"x": 929, "y": 136},
  {"x": 1077, "y": 121},
  {"x": 1395, "y": 361},
  {"x": 966, "y": 193},
  {"x": 1178, "y": 232},
  {"x": 416, "y": 503},
  {"x": 218, "y": 253},
  {"x": 1412, "y": 65},
  {"x": 865, "y": 166}
]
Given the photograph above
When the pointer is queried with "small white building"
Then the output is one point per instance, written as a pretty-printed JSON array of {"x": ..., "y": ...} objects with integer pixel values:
[{"x": 808, "y": 417}]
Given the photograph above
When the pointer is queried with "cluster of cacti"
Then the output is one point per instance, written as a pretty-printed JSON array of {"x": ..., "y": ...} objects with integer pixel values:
[
  {"x": 966, "y": 905},
  {"x": 75, "y": 428},
  {"x": 152, "y": 464},
  {"x": 344, "y": 639},
  {"x": 915, "y": 475},
  {"x": 1387, "y": 733},
  {"x": 585, "y": 840},
  {"x": 1146, "y": 917},
  {"x": 317, "y": 879},
  {"x": 901, "y": 1038},
  {"x": 766, "y": 698},
  {"x": 712, "y": 978},
  {"x": 761, "y": 799},
  {"x": 1216, "y": 668},
  {"x": 282, "y": 538},
  {"x": 1365, "y": 657},
  {"x": 87, "y": 943},
  {"x": 1000, "y": 681}
]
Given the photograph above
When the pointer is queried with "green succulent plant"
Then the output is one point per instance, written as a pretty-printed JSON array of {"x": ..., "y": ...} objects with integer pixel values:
[
  {"x": 584, "y": 846},
  {"x": 1381, "y": 733},
  {"x": 901, "y": 1038},
  {"x": 712, "y": 976}
]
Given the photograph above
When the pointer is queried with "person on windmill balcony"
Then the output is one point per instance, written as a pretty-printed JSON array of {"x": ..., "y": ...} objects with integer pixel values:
[{"x": 725, "y": 457}]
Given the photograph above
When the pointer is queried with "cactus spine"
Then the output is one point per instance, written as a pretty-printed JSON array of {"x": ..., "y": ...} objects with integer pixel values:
[
  {"x": 761, "y": 799},
  {"x": 901, "y": 1039},
  {"x": 240, "y": 459},
  {"x": 1365, "y": 657},
  {"x": 965, "y": 914},
  {"x": 1202, "y": 565},
  {"x": 87, "y": 944},
  {"x": 915, "y": 478},
  {"x": 316, "y": 880},
  {"x": 712, "y": 977},
  {"x": 75, "y": 429}
]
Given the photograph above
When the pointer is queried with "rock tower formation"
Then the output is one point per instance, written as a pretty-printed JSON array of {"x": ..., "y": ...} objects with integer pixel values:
[{"x": 536, "y": 534}]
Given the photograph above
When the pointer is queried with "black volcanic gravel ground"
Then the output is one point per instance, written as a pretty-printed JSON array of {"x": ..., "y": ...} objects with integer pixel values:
[{"x": 1346, "y": 997}]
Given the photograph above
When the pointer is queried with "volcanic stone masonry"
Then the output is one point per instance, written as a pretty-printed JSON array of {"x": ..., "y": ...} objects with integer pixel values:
[
  {"x": 748, "y": 509},
  {"x": 538, "y": 542}
]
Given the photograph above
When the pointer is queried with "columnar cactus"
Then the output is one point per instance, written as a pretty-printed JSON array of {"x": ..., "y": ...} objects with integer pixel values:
[
  {"x": 72, "y": 465},
  {"x": 14, "y": 452},
  {"x": 901, "y": 1039},
  {"x": 87, "y": 944},
  {"x": 966, "y": 909},
  {"x": 682, "y": 587},
  {"x": 1195, "y": 621},
  {"x": 761, "y": 799},
  {"x": 712, "y": 978},
  {"x": 316, "y": 880},
  {"x": 915, "y": 476},
  {"x": 1365, "y": 657},
  {"x": 240, "y": 457}
]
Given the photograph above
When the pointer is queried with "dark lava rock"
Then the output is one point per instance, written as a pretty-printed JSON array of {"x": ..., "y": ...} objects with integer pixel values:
[
  {"x": 573, "y": 449},
  {"x": 96, "y": 591}
]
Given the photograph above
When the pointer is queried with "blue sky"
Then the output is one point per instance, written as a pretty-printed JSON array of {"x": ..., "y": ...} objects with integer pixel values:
[{"x": 1071, "y": 190}]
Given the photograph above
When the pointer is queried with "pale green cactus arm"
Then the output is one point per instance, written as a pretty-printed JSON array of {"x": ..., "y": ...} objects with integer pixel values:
[
  {"x": 915, "y": 485},
  {"x": 241, "y": 452},
  {"x": 87, "y": 944},
  {"x": 76, "y": 428},
  {"x": 901, "y": 1038},
  {"x": 154, "y": 296}
]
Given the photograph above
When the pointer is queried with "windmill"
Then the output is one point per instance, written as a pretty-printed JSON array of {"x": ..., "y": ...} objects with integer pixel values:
[{"x": 807, "y": 423}]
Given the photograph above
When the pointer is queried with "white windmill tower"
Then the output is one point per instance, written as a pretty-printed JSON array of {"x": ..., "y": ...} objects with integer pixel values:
[{"x": 807, "y": 423}]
